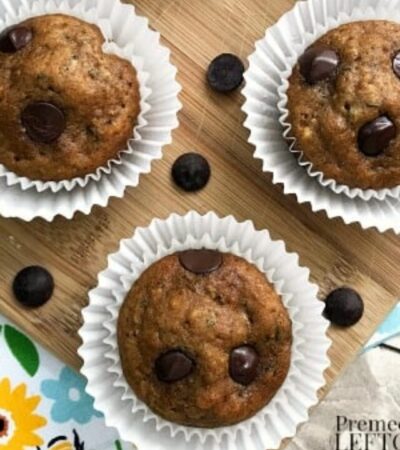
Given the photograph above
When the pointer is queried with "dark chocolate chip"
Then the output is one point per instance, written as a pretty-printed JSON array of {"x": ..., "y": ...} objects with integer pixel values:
[
  {"x": 191, "y": 172},
  {"x": 43, "y": 122},
  {"x": 344, "y": 307},
  {"x": 396, "y": 64},
  {"x": 374, "y": 137},
  {"x": 173, "y": 366},
  {"x": 243, "y": 364},
  {"x": 33, "y": 286},
  {"x": 318, "y": 64},
  {"x": 201, "y": 262},
  {"x": 225, "y": 73},
  {"x": 15, "y": 38}
]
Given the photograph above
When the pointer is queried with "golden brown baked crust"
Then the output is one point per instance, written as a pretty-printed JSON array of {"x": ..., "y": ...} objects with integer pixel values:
[
  {"x": 99, "y": 94},
  {"x": 207, "y": 316},
  {"x": 327, "y": 116}
]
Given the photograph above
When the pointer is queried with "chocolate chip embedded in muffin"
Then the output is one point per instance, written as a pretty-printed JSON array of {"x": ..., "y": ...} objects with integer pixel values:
[
  {"x": 319, "y": 64},
  {"x": 173, "y": 366},
  {"x": 43, "y": 122},
  {"x": 375, "y": 136},
  {"x": 343, "y": 102},
  {"x": 15, "y": 38},
  {"x": 396, "y": 64},
  {"x": 71, "y": 108},
  {"x": 243, "y": 364},
  {"x": 201, "y": 261},
  {"x": 204, "y": 343}
]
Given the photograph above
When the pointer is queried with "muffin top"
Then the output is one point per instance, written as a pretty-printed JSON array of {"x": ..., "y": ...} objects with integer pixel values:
[
  {"x": 344, "y": 104},
  {"x": 66, "y": 107},
  {"x": 204, "y": 339}
]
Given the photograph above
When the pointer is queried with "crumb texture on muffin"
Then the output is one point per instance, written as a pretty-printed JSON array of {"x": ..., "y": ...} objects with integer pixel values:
[
  {"x": 207, "y": 317},
  {"x": 64, "y": 65},
  {"x": 328, "y": 116}
]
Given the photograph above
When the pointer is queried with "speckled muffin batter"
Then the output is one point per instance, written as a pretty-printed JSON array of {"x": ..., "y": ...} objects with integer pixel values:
[
  {"x": 204, "y": 339},
  {"x": 66, "y": 108},
  {"x": 344, "y": 104}
]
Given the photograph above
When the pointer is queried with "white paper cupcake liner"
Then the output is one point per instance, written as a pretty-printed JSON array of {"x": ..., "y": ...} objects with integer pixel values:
[
  {"x": 130, "y": 37},
  {"x": 101, "y": 362},
  {"x": 265, "y": 91}
]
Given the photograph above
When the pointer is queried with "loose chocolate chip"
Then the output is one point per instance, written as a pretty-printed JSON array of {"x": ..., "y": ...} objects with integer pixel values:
[
  {"x": 243, "y": 364},
  {"x": 173, "y": 366},
  {"x": 43, "y": 122},
  {"x": 201, "y": 262},
  {"x": 191, "y": 172},
  {"x": 344, "y": 307},
  {"x": 225, "y": 73},
  {"x": 15, "y": 38},
  {"x": 318, "y": 64},
  {"x": 33, "y": 286},
  {"x": 374, "y": 137},
  {"x": 396, "y": 64}
]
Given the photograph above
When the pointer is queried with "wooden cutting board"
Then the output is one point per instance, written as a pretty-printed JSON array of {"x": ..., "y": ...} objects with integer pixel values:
[{"x": 75, "y": 251}]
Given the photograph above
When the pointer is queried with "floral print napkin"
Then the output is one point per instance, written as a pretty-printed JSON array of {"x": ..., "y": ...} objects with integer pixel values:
[{"x": 43, "y": 403}]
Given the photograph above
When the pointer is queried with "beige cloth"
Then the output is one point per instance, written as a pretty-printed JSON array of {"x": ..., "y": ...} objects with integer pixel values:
[{"x": 369, "y": 389}]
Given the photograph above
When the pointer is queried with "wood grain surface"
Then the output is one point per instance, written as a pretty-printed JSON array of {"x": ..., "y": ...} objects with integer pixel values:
[{"x": 75, "y": 251}]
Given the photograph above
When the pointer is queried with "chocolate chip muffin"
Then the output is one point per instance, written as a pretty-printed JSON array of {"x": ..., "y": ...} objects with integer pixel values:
[
  {"x": 66, "y": 108},
  {"x": 204, "y": 339},
  {"x": 344, "y": 104}
]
